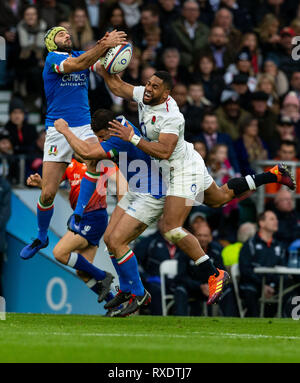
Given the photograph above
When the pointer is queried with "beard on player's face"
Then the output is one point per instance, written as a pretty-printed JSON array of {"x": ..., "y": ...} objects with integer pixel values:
[{"x": 65, "y": 46}]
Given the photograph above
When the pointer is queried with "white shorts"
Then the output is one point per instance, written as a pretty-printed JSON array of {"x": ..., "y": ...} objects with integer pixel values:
[
  {"x": 143, "y": 207},
  {"x": 189, "y": 179},
  {"x": 57, "y": 148}
]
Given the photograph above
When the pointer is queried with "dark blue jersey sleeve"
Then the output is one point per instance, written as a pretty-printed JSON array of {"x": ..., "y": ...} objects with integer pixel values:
[{"x": 113, "y": 146}]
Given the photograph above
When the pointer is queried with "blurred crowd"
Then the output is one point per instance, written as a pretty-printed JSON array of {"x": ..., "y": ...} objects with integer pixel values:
[{"x": 236, "y": 81}]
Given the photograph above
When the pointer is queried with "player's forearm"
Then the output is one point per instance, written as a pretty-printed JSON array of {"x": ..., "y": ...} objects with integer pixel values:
[
  {"x": 155, "y": 149},
  {"x": 113, "y": 81},
  {"x": 89, "y": 58},
  {"x": 79, "y": 146},
  {"x": 116, "y": 85}
]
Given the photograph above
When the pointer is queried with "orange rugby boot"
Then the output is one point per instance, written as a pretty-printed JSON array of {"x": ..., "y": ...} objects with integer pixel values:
[
  {"x": 284, "y": 176},
  {"x": 216, "y": 286}
]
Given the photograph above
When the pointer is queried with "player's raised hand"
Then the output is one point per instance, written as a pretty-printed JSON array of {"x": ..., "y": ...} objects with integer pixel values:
[
  {"x": 34, "y": 180},
  {"x": 125, "y": 132},
  {"x": 61, "y": 125},
  {"x": 114, "y": 38}
]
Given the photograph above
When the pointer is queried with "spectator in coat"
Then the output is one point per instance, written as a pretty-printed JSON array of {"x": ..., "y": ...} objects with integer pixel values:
[
  {"x": 192, "y": 113},
  {"x": 265, "y": 116},
  {"x": 191, "y": 35},
  {"x": 249, "y": 147},
  {"x": 22, "y": 134},
  {"x": 224, "y": 19},
  {"x": 30, "y": 30},
  {"x": 288, "y": 217},
  {"x": 284, "y": 131},
  {"x": 170, "y": 62},
  {"x": 218, "y": 48},
  {"x": 270, "y": 66},
  {"x": 230, "y": 114},
  {"x": 261, "y": 250},
  {"x": 210, "y": 135},
  {"x": 9, "y": 164},
  {"x": 243, "y": 66},
  {"x": 5, "y": 210},
  {"x": 205, "y": 72}
]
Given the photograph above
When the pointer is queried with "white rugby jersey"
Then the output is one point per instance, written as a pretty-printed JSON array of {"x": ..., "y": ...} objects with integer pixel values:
[{"x": 163, "y": 118}]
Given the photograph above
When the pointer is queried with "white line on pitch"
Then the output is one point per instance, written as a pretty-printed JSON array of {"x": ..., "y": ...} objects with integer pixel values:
[{"x": 200, "y": 335}]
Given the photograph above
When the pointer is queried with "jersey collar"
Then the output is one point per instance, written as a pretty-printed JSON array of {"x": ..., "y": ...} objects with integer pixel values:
[{"x": 164, "y": 105}]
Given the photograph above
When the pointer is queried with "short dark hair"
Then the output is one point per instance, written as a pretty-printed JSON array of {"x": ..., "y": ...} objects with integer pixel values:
[
  {"x": 153, "y": 8},
  {"x": 166, "y": 77},
  {"x": 209, "y": 113},
  {"x": 262, "y": 216},
  {"x": 101, "y": 118},
  {"x": 288, "y": 143}
]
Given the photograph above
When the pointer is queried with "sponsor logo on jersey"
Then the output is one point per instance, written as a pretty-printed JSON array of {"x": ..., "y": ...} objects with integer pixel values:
[
  {"x": 73, "y": 79},
  {"x": 86, "y": 229},
  {"x": 53, "y": 150}
]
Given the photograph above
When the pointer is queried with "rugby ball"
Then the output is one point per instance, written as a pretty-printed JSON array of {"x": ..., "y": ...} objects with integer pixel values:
[{"x": 117, "y": 58}]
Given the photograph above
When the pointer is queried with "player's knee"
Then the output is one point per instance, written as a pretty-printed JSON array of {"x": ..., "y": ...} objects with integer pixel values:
[
  {"x": 114, "y": 242},
  {"x": 47, "y": 197},
  {"x": 59, "y": 256},
  {"x": 175, "y": 235}
]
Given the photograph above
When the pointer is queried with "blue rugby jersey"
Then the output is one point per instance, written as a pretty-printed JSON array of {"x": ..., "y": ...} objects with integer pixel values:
[
  {"x": 141, "y": 172},
  {"x": 66, "y": 93}
]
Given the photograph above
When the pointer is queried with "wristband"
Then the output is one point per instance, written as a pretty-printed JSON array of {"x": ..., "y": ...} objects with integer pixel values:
[{"x": 135, "y": 139}]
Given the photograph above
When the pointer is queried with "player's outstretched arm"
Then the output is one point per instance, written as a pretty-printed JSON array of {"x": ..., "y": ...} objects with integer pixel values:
[
  {"x": 116, "y": 85},
  {"x": 87, "y": 59},
  {"x": 162, "y": 149},
  {"x": 87, "y": 150}
]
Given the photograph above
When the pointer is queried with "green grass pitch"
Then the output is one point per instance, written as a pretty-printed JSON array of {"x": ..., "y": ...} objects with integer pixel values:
[{"x": 79, "y": 338}]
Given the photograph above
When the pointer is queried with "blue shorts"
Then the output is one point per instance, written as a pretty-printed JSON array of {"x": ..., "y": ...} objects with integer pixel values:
[{"x": 93, "y": 225}]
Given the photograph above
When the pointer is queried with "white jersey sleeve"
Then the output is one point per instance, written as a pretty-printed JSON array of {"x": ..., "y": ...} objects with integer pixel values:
[
  {"x": 138, "y": 93},
  {"x": 171, "y": 125}
]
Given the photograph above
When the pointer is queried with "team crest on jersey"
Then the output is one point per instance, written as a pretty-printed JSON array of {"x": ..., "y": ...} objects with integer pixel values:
[
  {"x": 53, "y": 150},
  {"x": 193, "y": 188},
  {"x": 153, "y": 120}
]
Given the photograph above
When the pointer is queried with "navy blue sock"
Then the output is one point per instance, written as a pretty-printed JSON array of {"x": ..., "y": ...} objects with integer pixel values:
[
  {"x": 87, "y": 188},
  {"x": 78, "y": 262},
  {"x": 124, "y": 284},
  {"x": 129, "y": 268},
  {"x": 44, "y": 215}
]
